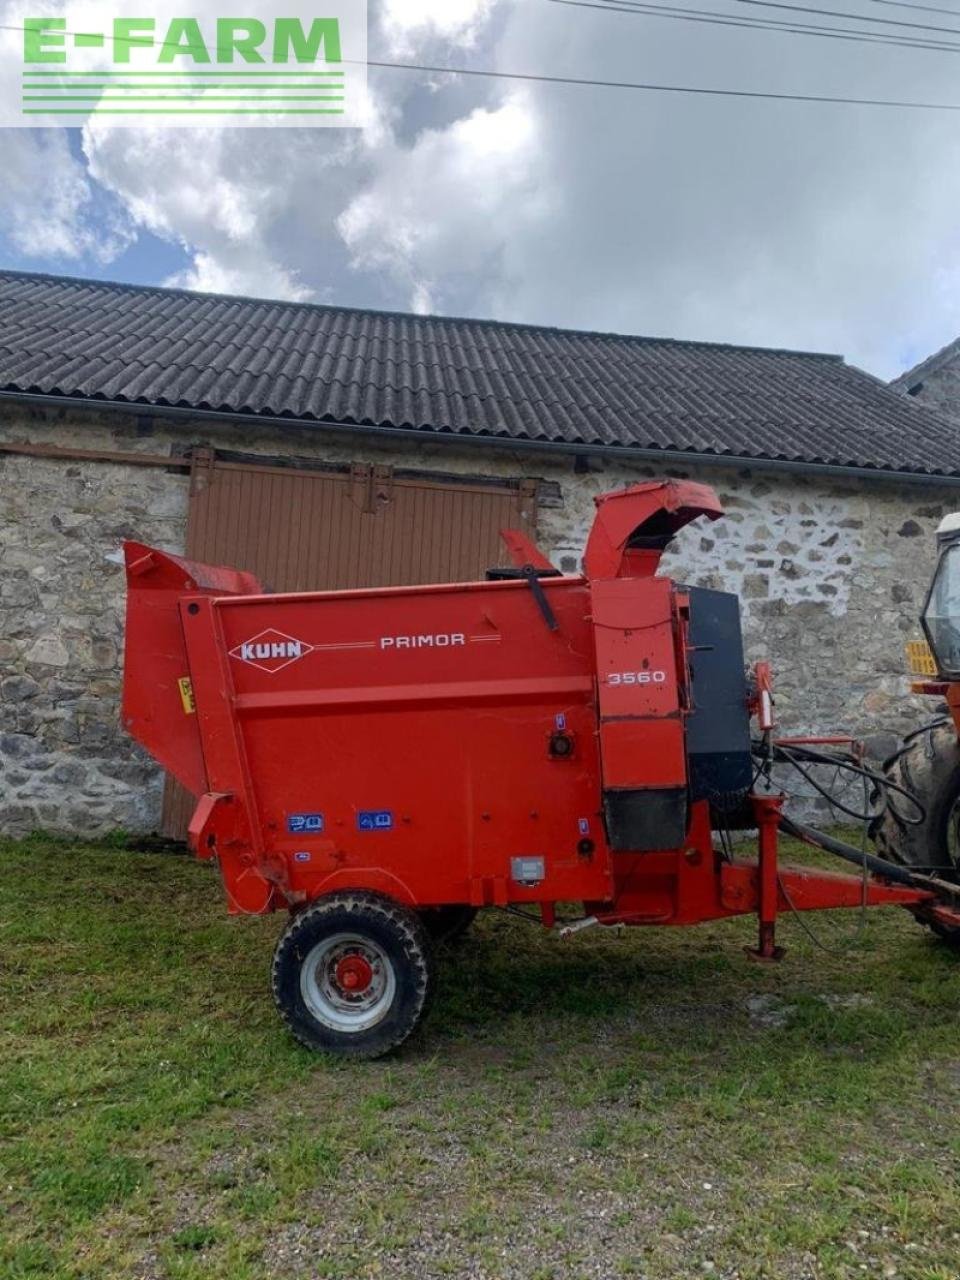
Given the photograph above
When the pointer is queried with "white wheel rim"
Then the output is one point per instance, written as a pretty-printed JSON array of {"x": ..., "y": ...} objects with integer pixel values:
[{"x": 327, "y": 996}]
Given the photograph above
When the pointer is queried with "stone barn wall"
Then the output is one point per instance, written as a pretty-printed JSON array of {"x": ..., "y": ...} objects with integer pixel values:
[{"x": 831, "y": 575}]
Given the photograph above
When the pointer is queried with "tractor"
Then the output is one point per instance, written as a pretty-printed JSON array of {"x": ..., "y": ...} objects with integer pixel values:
[{"x": 927, "y": 765}]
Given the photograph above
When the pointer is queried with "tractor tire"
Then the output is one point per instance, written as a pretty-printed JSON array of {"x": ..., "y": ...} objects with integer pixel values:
[
  {"x": 928, "y": 766},
  {"x": 353, "y": 975},
  {"x": 447, "y": 924}
]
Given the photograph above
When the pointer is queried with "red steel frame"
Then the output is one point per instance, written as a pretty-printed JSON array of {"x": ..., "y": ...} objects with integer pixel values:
[{"x": 439, "y": 738}]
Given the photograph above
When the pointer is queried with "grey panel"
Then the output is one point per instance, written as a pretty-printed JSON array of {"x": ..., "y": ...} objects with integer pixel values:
[{"x": 718, "y": 730}]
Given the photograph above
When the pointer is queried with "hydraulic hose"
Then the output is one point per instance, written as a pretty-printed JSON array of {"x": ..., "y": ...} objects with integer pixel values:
[
  {"x": 879, "y": 866},
  {"x": 797, "y": 752}
]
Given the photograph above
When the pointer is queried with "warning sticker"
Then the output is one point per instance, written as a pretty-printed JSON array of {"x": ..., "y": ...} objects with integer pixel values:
[
  {"x": 305, "y": 824},
  {"x": 185, "y": 685},
  {"x": 374, "y": 820}
]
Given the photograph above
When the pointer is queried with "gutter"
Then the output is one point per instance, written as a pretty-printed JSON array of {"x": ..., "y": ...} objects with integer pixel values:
[{"x": 635, "y": 453}]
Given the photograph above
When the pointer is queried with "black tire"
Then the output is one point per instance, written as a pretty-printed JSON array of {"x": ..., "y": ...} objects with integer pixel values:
[
  {"x": 447, "y": 924},
  {"x": 928, "y": 766},
  {"x": 349, "y": 938}
]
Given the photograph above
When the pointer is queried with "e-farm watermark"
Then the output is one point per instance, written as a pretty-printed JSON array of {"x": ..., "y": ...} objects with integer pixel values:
[{"x": 131, "y": 64}]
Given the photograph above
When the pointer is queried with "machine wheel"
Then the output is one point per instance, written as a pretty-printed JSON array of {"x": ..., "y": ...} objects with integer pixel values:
[
  {"x": 447, "y": 924},
  {"x": 352, "y": 974},
  {"x": 928, "y": 766}
]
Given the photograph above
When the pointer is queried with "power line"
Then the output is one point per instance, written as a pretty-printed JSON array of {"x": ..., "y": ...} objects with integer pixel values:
[
  {"x": 834, "y": 13},
  {"x": 638, "y": 86},
  {"x": 927, "y": 8},
  {"x": 857, "y": 17},
  {"x": 754, "y": 94},
  {"x": 637, "y": 8},
  {"x": 909, "y": 4}
]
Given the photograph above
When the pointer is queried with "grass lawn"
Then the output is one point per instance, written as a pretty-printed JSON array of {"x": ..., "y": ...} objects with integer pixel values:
[{"x": 650, "y": 1104}]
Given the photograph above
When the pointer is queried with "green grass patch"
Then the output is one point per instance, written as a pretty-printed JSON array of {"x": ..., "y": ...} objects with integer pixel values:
[{"x": 644, "y": 1103}]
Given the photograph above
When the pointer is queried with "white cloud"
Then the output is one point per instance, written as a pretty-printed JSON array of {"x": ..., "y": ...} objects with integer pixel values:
[
  {"x": 46, "y": 201},
  {"x": 217, "y": 275},
  {"x": 254, "y": 208},
  {"x": 220, "y": 193},
  {"x": 779, "y": 224},
  {"x": 407, "y": 22},
  {"x": 439, "y": 212}
]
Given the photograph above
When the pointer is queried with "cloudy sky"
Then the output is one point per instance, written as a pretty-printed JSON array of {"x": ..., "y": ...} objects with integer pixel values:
[{"x": 784, "y": 224}]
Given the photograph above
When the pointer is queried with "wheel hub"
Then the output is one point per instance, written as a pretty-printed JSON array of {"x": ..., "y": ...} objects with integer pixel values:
[
  {"x": 353, "y": 974},
  {"x": 348, "y": 982}
]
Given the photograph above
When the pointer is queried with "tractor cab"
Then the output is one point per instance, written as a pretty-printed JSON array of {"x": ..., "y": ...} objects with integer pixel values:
[{"x": 941, "y": 611}]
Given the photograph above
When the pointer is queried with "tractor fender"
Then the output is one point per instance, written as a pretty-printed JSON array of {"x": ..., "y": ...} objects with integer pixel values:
[{"x": 368, "y": 879}]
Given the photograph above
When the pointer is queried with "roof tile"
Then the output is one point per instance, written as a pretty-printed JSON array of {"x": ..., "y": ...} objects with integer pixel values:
[{"x": 320, "y": 364}]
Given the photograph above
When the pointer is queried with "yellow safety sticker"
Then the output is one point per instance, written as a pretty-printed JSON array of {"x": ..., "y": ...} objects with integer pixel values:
[
  {"x": 920, "y": 660},
  {"x": 186, "y": 695}
]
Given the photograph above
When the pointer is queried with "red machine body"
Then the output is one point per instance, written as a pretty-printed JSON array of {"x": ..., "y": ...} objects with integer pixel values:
[{"x": 488, "y": 743}]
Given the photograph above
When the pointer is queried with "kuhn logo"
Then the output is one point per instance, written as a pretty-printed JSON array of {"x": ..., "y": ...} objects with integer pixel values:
[{"x": 271, "y": 650}]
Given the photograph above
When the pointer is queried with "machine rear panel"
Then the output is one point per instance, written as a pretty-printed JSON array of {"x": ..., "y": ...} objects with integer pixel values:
[{"x": 718, "y": 730}]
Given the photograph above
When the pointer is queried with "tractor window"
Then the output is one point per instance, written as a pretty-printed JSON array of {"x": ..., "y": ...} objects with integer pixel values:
[{"x": 941, "y": 617}]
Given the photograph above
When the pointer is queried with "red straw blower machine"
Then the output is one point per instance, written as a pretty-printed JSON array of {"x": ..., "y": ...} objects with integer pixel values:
[{"x": 382, "y": 764}]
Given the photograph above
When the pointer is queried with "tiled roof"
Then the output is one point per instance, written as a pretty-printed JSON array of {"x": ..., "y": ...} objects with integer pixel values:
[
  {"x": 929, "y": 365},
  {"x": 451, "y": 377}
]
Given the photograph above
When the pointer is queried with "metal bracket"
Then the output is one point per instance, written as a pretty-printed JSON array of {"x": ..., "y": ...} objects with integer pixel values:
[
  {"x": 381, "y": 486},
  {"x": 370, "y": 487},
  {"x": 201, "y": 470},
  {"x": 529, "y": 496},
  {"x": 359, "y": 484},
  {"x": 532, "y": 576}
]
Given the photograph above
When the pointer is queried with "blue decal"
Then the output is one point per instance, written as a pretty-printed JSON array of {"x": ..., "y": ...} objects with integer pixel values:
[
  {"x": 303, "y": 856},
  {"x": 374, "y": 820},
  {"x": 560, "y": 720},
  {"x": 584, "y": 825},
  {"x": 305, "y": 824}
]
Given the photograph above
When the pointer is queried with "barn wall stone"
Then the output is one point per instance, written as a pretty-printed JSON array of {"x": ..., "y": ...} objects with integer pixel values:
[{"x": 831, "y": 575}]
